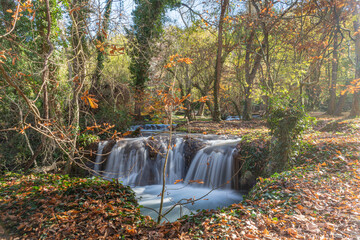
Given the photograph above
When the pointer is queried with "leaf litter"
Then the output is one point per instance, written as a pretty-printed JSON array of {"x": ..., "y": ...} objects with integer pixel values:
[{"x": 319, "y": 200}]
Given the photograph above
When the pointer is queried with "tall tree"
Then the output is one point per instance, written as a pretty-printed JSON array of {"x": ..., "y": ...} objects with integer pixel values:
[
  {"x": 148, "y": 18},
  {"x": 355, "y": 108},
  {"x": 261, "y": 19},
  {"x": 219, "y": 61},
  {"x": 100, "y": 39},
  {"x": 336, "y": 11},
  {"x": 79, "y": 14}
]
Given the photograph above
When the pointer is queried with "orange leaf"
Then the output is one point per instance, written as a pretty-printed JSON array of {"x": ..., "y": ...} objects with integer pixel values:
[
  {"x": 93, "y": 102},
  {"x": 105, "y": 34},
  {"x": 292, "y": 232},
  {"x": 74, "y": 9},
  {"x": 250, "y": 236},
  {"x": 196, "y": 181},
  {"x": 203, "y": 99},
  {"x": 131, "y": 231},
  {"x": 33, "y": 17},
  {"x": 179, "y": 180},
  {"x": 127, "y": 133}
]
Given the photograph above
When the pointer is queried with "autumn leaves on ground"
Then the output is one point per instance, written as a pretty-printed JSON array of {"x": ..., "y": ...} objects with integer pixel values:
[{"x": 318, "y": 199}]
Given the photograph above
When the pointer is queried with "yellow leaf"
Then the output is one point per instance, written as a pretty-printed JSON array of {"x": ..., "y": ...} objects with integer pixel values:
[
  {"x": 179, "y": 180},
  {"x": 9, "y": 11},
  {"x": 92, "y": 102}
]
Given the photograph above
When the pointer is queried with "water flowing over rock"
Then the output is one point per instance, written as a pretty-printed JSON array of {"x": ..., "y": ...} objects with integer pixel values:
[
  {"x": 152, "y": 127},
  {"x": 213, "y": 164},
  {"x": 99, "y": 156},
  {"x": 139, "y": 161}
]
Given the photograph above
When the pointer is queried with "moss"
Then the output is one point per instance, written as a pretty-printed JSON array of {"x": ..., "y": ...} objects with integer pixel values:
[{"x": 251, "y": 157}]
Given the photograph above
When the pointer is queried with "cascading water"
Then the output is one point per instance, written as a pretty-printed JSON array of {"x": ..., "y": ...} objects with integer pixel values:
[
  {"x": 130, "y": 161},
  {"x": 138, "y": 162},
  {"x": 213, "y": 164},
  {"x": 99, "y": 156},
  {"x": 152, "y": 127}
]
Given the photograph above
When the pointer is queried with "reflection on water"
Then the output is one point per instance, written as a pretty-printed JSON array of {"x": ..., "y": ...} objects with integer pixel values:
[{"x": 148, "y": 196}]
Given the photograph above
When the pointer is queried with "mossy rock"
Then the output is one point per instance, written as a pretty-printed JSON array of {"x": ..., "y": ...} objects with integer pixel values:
[{"x": 250, "y": 160}]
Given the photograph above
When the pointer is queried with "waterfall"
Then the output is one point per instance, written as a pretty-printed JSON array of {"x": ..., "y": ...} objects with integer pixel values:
[
  {"x": 175, "y": 168},
  {"x": 99, "y": 157},
  {"x": 152, "y": 127},
  {"x": 139, "y": 161},
  {"x": 213, "y": 164},
  {"x": 130, "y": 161}
]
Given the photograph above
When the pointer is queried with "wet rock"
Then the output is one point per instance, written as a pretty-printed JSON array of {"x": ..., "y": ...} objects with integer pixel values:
[
  {"x": 83, "y": 169},
  {"x": 155, "y": 145},
  {"x": 90, "y": 154},
  {"x": 247, "y": 180},
  {"x": 192, "y": 146}
]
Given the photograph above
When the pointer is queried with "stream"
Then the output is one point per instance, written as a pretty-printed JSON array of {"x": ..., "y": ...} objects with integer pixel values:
[{"x": 200, "y": 165}]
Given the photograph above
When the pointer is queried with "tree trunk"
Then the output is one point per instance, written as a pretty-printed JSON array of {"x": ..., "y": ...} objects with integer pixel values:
[
  {"x": 101, "y": 36},
  {"x": 210, "y": 107},
  {"x": 340, "y": 105},
  {"x": 47, "y": 50},
  {"x": 187, "y": 102},
  {"x": 355, "y": 108},
  {"x": 237, "y": 109},
  {"x": 219, "y": 63},
  {"x": 201, "y": 109},
  {"x": 139, "y": 102},
  {"x": 250, "y": 72},
  {"x": 250, "y": 76},
  {"x": 78, "y": 45},
  {"x": 334, "y": 71}
]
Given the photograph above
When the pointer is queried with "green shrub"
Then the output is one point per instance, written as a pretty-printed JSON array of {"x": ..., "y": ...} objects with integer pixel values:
[
  {"x": 287, "y": 122},
  {"x": 85, "y": 139}
]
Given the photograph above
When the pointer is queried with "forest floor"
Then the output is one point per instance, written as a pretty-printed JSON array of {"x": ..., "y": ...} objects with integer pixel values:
[
  {"x": 3, "y": 234},
  {"x": 318, "y": 199}
]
